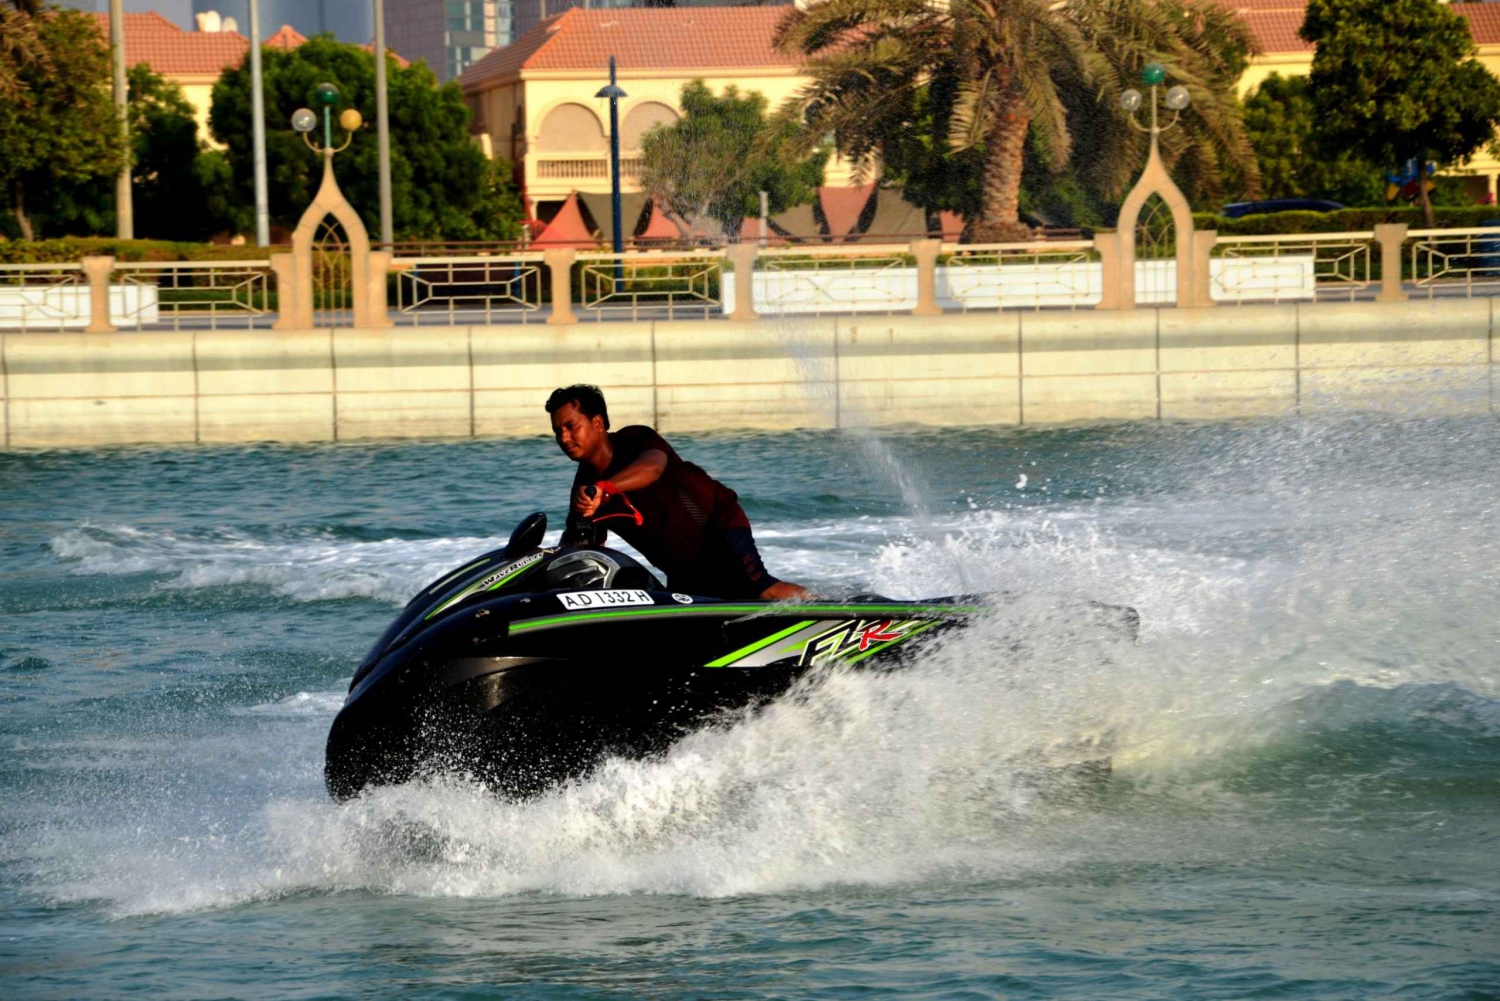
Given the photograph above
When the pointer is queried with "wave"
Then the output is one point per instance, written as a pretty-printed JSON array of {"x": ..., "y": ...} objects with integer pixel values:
[
  {"x": 312, "y": 566},
  {"x": 899, "y": 555}
]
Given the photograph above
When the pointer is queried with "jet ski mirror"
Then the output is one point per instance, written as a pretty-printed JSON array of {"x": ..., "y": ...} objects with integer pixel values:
[{"x": 528, "y": 534}]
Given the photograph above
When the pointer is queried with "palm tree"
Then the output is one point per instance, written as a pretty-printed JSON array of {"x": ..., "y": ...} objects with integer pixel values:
[
  {"x": 1006, "y": 69},
  {"x": 19, "y": 45}
]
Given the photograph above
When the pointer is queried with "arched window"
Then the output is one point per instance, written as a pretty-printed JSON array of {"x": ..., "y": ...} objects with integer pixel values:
[
  {"x": 571, "y": 128},
  {"x": 642, "y": 119}
]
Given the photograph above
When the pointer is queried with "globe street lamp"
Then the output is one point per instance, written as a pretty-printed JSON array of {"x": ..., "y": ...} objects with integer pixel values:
[
  {"x": 304, "y": 120},
  {"x": 1177, "y": 100}
]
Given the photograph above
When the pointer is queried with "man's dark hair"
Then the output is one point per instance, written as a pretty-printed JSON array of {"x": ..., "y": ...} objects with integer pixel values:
[{"x": 588, "y": 400}]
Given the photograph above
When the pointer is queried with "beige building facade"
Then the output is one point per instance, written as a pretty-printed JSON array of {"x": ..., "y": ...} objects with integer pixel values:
[{"x": 534, "y": 103}]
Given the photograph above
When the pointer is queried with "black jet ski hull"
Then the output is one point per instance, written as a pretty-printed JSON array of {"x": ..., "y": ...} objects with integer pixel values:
[
  {"x": 522, "y": 703},
  {"x": 529, "y": 666}
]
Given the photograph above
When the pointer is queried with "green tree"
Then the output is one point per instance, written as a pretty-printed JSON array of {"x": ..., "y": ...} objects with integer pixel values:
[
  {"x": 62, "y": 129},
  {"x": 442, "y": 185},
  {"x": 1396, "y": 79},
  {"x": 177, "y": 181},
  {"x": 724, "y": 151},
  {"x": 999, "y": 72},
  {"x": 1294, "y": 159}
]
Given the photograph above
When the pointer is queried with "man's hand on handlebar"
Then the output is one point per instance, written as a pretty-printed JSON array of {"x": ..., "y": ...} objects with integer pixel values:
[{"x": 587, "y": 499}]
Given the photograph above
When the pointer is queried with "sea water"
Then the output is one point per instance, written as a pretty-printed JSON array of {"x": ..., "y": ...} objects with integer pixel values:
[{"x": 1306, "y": 738}]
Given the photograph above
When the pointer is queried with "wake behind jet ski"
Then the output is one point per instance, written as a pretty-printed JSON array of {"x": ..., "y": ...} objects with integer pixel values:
[{"x": 527, "y": 666}]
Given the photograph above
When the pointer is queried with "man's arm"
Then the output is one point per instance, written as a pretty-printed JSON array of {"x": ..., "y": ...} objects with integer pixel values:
[{"x": 643, "y": 472}]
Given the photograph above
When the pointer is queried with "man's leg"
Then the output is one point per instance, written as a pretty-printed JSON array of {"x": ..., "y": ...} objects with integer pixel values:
[{"x": 750, "y": 570}]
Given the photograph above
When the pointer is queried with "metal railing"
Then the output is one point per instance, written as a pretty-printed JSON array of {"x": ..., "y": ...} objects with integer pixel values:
[
  {"x": 1455, "y": 261},
  {"x": 199, "y": 295},
  {"x": 685, "y": 282},
  {"x": 43, "y": 297},
  {"x": 1064, "y": 274},
  {"x": 505, "y": 285},
  {"x": 454, "y": 290},
  {"x": 1305, "y": 267},
  {"x": 835, "y": 280},
  {"x": 582, "y": 168}
]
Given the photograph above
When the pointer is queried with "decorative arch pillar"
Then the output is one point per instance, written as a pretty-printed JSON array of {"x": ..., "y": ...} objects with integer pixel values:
[
  {"x": 1194, "y": 249},
  {"x": 368, "y": 269}
]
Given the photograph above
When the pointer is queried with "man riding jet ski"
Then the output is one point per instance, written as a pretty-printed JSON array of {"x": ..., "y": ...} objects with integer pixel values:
[
  {"x": 528, "y": 666},
  {"x": 687, "y": 523}
]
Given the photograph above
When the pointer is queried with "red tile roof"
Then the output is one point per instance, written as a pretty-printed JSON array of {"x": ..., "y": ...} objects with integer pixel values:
[
  {"x": 690, "y": 38},
  {"x": 686, "y": 38},
  {"x": 1276, "y": 30},
  {"x": 286, "y": 37},
  {"x": 1274, "y": 24},
  {"x": 1484, "y": 21},
  {"x": 170, "y": 51}
]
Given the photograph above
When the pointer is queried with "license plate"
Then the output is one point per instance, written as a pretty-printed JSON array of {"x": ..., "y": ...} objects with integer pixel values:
[{"x": 604, "y": 599}]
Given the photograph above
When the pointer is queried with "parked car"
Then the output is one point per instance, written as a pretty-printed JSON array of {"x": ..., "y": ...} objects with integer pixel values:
[
  {"x": 1486, "y": 259},
  {"x": 1239, "y": 210}
]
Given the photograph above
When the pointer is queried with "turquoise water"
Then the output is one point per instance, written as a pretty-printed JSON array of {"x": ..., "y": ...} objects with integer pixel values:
[{"x": 1306, "y": 801}]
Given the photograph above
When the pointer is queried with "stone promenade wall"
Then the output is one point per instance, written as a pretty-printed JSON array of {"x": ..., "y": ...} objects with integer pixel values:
[{"x": 69, "y": 389}]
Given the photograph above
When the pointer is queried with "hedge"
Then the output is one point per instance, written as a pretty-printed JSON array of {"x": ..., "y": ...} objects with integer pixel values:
[
  {"x": 1347, "y": 220},
  {"x": 72, "y": 248}
]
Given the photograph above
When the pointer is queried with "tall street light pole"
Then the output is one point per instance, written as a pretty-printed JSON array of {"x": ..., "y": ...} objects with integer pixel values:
[
  {"x": 258, "y": 132},
  {"x": 383, "y": 128},
  {"x": 124, "y": 203},
  {"x": 614, "y": 93}
]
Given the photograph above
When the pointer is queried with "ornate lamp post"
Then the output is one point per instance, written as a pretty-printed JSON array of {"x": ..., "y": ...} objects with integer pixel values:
[
  {"x": 1118, "y": 249},
  {"x": 614, "y": 93},
  {"x": 368, "y": 268}
]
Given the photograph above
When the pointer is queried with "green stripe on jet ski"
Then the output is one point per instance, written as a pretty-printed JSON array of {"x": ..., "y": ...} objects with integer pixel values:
[
  {"x": 910, "y": 611},
  {"x": 758, "y": 645},
  {"x": 468, "y": 591},
  {"x": 456, "y": 574}
]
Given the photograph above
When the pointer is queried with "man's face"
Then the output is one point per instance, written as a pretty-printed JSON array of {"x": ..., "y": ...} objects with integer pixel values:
[{"x": 576, "y": 433}]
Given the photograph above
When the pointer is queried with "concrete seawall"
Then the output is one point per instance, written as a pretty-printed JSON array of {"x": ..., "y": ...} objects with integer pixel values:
[{"x": 68, "y": 389}]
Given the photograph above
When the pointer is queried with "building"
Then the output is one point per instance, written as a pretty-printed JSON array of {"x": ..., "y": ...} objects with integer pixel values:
[
  {"x": 193, "y": 60},
  {"x": 1275, "y": 24},
  {"x": 534, "y": 104}
]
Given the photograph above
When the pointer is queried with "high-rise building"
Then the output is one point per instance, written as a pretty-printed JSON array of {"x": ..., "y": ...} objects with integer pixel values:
[{"x": 449, "y": 35}]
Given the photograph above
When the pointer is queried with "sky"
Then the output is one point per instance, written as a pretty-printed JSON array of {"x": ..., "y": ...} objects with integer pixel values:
[{"x": 349, "y": 19}]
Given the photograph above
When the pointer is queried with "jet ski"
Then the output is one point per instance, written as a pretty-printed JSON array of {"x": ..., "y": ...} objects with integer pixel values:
[{"x": 527, "y": 666}]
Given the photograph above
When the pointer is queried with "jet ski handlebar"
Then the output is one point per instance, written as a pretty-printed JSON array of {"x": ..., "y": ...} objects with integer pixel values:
[{"x": 592, "y": 490}]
